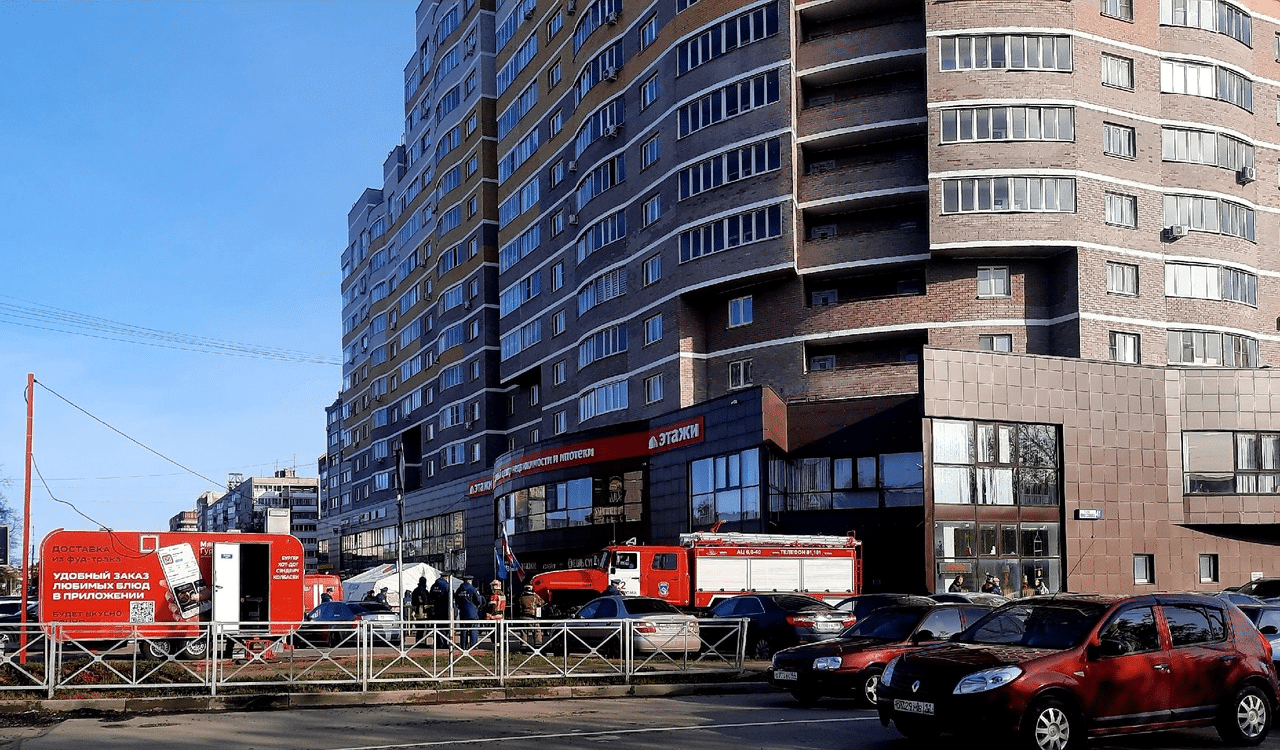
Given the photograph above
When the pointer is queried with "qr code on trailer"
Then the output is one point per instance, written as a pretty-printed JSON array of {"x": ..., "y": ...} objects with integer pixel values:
[{"x": 142, "y": 611}]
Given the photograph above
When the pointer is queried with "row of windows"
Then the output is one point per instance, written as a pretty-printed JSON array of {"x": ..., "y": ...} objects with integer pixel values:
[
  {"x": 730, "y": 101},
  {"x": 730, "y": 232},
  {"x": 730, "y": 166},
  {"x": 726, "y": 37}
]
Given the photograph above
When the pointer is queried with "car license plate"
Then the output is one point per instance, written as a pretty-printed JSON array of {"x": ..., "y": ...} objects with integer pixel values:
[
  {"x": 826, "y": 627},
  {"x": 783, "y": 674},
  {"x": 913, "y": 707}
]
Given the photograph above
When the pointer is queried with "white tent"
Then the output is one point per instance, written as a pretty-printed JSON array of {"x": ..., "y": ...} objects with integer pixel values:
[{"x": 355, "y": 588}]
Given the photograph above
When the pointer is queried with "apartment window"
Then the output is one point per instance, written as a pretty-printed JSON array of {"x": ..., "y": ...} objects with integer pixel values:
[
  {"x": 602, "y": 399},
  {"x": 730, "y": 232},
  {"x": 649, "y": 91},
  {"x": 653, "y": 329},
  {"x": 557, "y": 276},
  {"x": 1144, "y": 568},
  {"x": 1122, "y": 9},
  {"x": 1198, "y": 79},
  {"x": 1209, "y": 215},
  {"x": 557, "y": 323},
  {"x": 993, "y": 281},
  {"x": 1205, "y": 147},
  {"x": 553, "y": 75},
  {"x": 555, "y": 24},
  {"x": 556, "y": 122},
  {"x": 473, "y": 164},
  {"x": 473, "y": 205},
  {"x": 1200, "y": 281},
  {"x": 996, "y": 342},
  {"x": 1122, "y": 210},
  {"x": 652, "y": 269},
  {"x": 471, "y": 87},
  {"x": 1006, "y": 51},
  {"x": 653, "y": 389},
  {"x": 1122, "y": 278},
  {"x": 558, "y": 371},
  {"x": 740, "y": 311},
  {"x": 1117, "y": 71},
  {"x": 1008, "y": 124},
  {"x": 560, "y": 423},
  {"x": 650, "y": 151},
  {"x": 734, "y": 99},
  {"x": 1212, "y": 349},
  {"x": 1056, "y": 194},
  {"x": 557, "y": 173},
  {"x": 473, "y": 330},
  {"x": 1208, "y": 569},
  {"x": 822, "y": 362},
  {"x": 1210, "y": 15},
  {"x": 557, "y": 223},
  {"x": 652, "y": 209},
  {"x": 535, "y": 393},
  {"x": 740, "y": 373},
  {"x": 535, "y": 435},
  {"x": 1124, "y": 348},
  {"x": 1118, "y": 140},
  {"x": 649, "y": 32}
]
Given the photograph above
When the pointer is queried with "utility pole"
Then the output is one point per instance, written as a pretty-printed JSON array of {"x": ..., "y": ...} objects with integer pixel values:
[
  {"x": 400, "y": 531},
  {"x": 26, "y": 514}
]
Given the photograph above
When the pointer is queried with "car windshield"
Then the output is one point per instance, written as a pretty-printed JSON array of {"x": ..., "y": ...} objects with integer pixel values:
[
  {"x": 1040, "y": 625},
  {"x": 649, "y": 607},
  {"x": 886, "y": 624}
]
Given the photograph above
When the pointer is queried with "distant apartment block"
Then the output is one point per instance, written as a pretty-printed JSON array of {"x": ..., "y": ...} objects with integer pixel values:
[{"x": 256, "y": 504}]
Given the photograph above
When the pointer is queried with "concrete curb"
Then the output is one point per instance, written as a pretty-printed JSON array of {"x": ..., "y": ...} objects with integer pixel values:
[{"x": 276, "y": 701}]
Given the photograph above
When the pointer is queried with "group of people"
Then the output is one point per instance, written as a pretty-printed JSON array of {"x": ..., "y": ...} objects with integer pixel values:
[
  {"x": 992, "y": 585},
  {"x": 443, "y": 601}
]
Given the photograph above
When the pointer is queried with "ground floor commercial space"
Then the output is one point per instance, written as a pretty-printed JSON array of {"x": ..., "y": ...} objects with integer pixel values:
[{"x": 1026, "y": 473}]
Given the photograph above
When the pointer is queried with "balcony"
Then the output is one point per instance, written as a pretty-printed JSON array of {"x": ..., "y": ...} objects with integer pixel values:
[
  {"x": 861, "y": 119},
  {"x": 893, "y": 177},
  {"x": 865, "y": 52},
  {"x": 814, "y": 256}
]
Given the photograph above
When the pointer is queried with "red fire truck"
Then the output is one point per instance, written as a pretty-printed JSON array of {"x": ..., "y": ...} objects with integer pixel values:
[
  {"x": 101, "y": 585},
  {"x": 709, "y": 566}
]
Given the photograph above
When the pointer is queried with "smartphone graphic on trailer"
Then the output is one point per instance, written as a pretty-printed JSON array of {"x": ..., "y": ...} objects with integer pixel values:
[{"x": 182, "y": 572}]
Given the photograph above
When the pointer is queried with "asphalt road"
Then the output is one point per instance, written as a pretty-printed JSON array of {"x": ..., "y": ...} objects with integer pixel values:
[{"x": 721, "y": 722}]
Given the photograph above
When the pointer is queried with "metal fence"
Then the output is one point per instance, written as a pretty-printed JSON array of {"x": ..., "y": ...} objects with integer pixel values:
[{"x": 362, "y": 655}]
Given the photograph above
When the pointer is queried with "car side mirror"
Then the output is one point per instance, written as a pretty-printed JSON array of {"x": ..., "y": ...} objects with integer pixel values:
[
  {"x": 1107, "y": 647},
  {"x": 1269, "y": 630},
  {"x": 923, "y": 635}
]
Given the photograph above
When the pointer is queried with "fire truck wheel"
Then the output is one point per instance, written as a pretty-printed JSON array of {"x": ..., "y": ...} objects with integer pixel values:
[
  {"x": 196, "y": 648},
  {"x": 157, "y": 649}
]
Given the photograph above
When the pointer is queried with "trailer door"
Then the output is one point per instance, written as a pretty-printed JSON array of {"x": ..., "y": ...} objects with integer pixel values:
[{"x": 226, "y": 582}]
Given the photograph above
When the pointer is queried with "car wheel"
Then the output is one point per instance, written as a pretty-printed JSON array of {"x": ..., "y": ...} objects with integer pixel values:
[
  {"x": 157, "y": 649},
  {"x": 869, "y": 683},
  {"x": 1246, "y": 719},
  {"x": 196, "y": 648},
  {"x": 1050, "y": 725},
  {"x": 761, "y": 648},
  {"x": 806, "y": 697}
]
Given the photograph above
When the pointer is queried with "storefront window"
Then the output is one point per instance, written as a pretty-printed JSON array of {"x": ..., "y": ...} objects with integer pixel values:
[
  {"x": 578, "y": 502},
  {"x": 987, "y": 463},
  {"x": 725, "y": 488},
  {"x": 887, "y": 480},
  {"x": 1010, "y": 559},
  {"x": 1244, "y": 463},
  {"x": 438, "y": 540}
]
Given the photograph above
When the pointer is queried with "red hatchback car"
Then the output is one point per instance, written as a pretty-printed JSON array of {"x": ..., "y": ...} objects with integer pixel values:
[{"x": 1057, "y": 668}]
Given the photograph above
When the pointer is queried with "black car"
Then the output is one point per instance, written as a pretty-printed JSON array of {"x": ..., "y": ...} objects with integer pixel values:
[
  {"x": 864, "y": 604},
  {"x": 1266, "y": 617},
  {"x": 334, "y": 623},
  {"x": 777, "y": 621},
  {"x": 1263, "y": 588},
  {"x": 852, "y": 663}
]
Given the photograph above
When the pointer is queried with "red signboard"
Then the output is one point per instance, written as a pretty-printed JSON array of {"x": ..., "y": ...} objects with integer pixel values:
[{"x": 631, "y": 445}]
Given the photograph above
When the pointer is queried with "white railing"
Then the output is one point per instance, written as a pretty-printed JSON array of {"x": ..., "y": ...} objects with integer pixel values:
[{"x": 48, "y": 658}]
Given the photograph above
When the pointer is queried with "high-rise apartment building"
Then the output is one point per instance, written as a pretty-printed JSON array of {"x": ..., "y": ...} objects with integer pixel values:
[
  {"x": 984, "y": 282},
  {"x": 281, "y": 503}
]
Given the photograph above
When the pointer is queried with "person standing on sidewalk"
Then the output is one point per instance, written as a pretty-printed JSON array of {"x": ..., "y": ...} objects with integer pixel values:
[
  {"x": 530, "y": 608},
  {"x": 469, "y": 602}
]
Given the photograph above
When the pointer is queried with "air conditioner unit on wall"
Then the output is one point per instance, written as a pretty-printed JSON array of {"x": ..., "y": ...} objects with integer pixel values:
[
  {"x": 1247, "y": 175},
  {"x": 611, "y": 74},
  {"x": 611, "y": 131},
  {"x": 573, "y": 165},
  {"x": 573, "y": 219},
  {"x": 612, "y": 18},
  {"x": 1174, "y": 232},
  {"x": 528, "y": 15},
  {"x": 572, "y": 7}
]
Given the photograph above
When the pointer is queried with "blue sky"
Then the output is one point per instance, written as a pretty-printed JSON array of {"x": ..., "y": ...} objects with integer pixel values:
[{"x": 185, "y": 167}]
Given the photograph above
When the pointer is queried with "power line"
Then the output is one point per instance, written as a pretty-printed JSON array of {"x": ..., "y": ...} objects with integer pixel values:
[{"x": 47, "y": 318}]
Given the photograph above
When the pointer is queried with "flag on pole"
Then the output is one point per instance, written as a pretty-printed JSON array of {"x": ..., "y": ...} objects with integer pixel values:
[{"x": 509, "y": 557}]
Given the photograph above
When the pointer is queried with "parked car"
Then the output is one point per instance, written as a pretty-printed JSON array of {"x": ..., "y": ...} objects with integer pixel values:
[
  {"x": 975, "y": 597},
  {"x": 1055, "y": 669},
  {"x": 658, "y": 626},
  {"x": 777, "y": 621},
  {"x": 1236, "y": 598},
  {"x": 852, "y": 663},
  {"x": 11, "y": 622},
  {"x": 1263, "y": 588},
  {"x": 864, "y": 604},
  {"x": 334, "y": 623},
  {"x": 1266, "y": 617}
]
